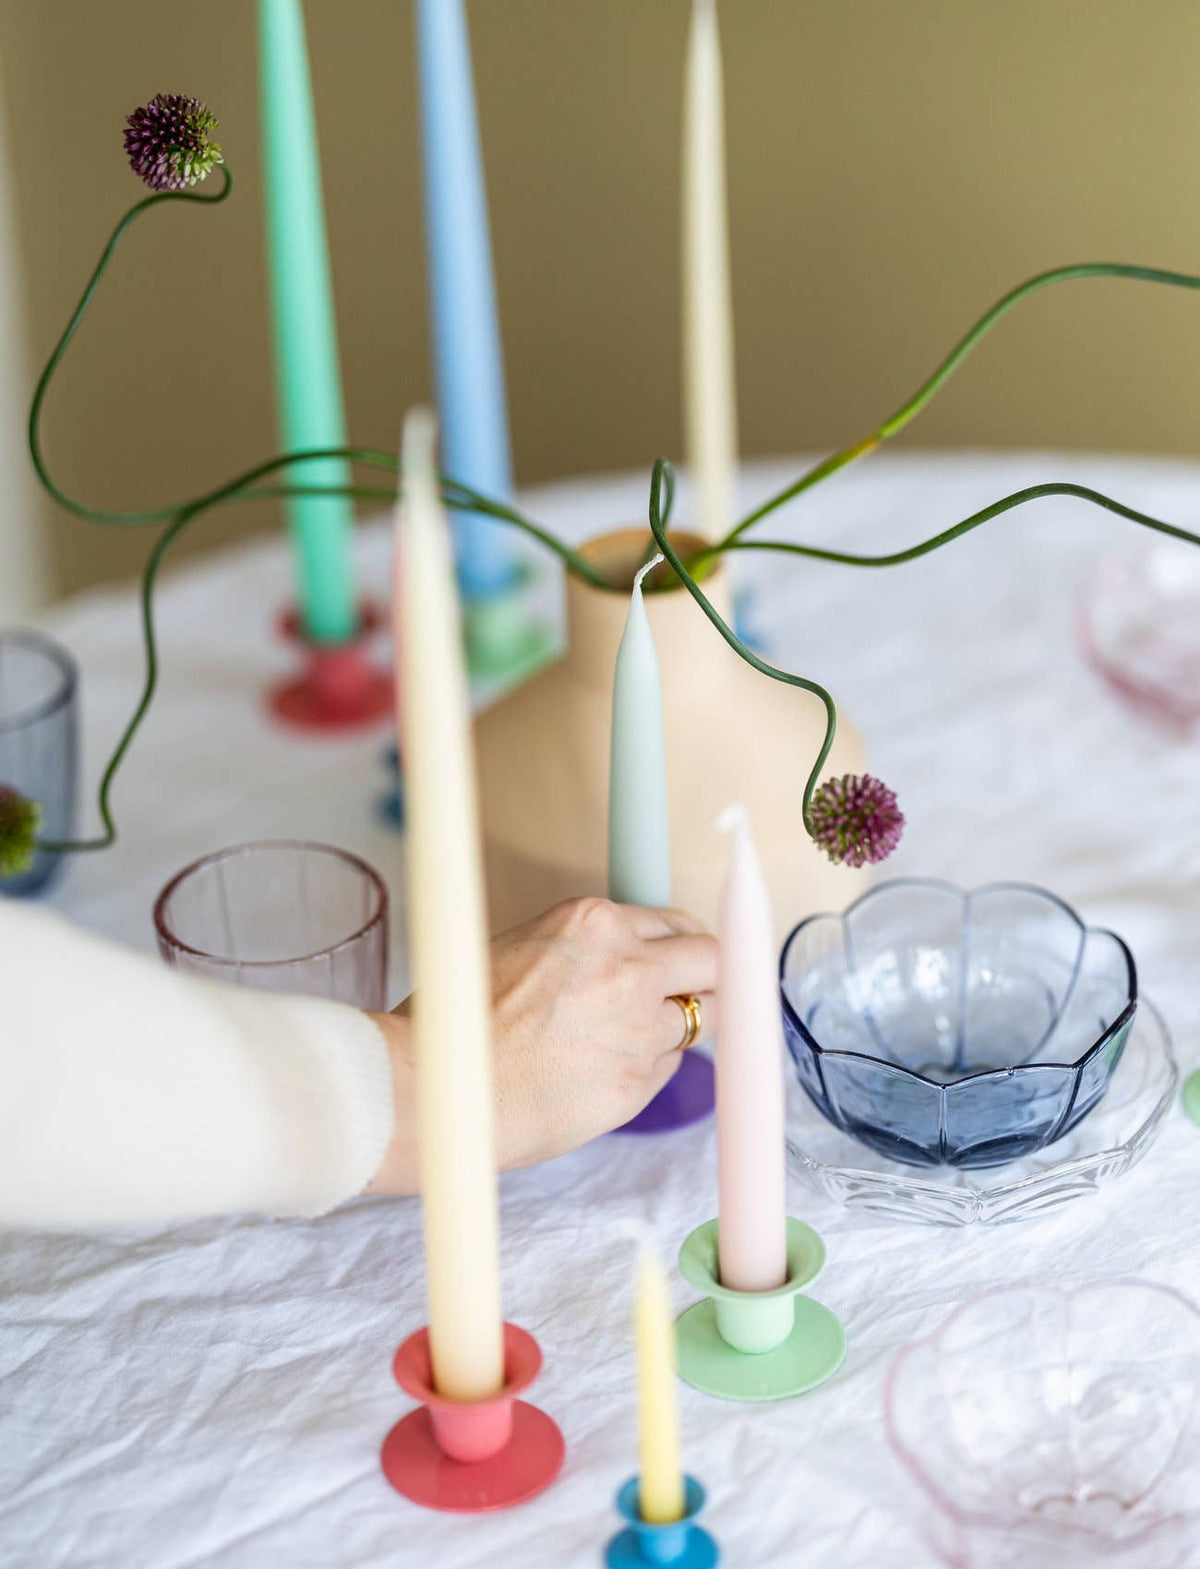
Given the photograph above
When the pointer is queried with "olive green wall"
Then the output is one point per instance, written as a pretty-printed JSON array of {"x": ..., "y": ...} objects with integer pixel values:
[{"x": 892, "y": 168}]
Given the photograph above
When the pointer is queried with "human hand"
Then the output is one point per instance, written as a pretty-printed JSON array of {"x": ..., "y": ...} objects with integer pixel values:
[{"x": 585, "y": 1030}]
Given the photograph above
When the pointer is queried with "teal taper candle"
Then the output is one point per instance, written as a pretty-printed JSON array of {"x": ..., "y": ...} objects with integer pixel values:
[
  {"x": 307, "y": 377},
  {"x": 639, "y": 849}
]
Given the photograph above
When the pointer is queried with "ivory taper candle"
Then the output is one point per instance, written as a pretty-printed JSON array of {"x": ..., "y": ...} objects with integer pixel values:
[
  {"x": 448, "y": 945},
  {"x": 710, "y": 396},
  {"x": 751, "y": 1172},
  {"x": 660, "y": 1479},
  {"x": 307, "y": 377},
  {"x": 468, "y": 359},
  {"x": 639, "y": 850}
]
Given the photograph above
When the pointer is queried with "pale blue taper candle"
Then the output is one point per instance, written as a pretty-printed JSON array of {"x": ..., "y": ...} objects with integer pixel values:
[
  {"x": 639, "y": 827},
  {"x": 468, "y": 363},
  {"x": 307, "y": 378}
]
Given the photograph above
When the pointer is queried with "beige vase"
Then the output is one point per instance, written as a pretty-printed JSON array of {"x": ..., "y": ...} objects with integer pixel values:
[{"x": 731, "y": 735}]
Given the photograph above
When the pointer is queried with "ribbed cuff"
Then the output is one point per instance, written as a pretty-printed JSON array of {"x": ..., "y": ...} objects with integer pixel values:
[{"x": 332, "y": 1090}]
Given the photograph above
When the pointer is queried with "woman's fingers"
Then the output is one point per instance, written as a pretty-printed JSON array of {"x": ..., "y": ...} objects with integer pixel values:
[
  {"x": 682, "y": 965},
  {"x": 649, "y": 923}
]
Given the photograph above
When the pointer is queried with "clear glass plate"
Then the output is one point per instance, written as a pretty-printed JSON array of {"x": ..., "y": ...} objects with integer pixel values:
[{"x": 1102, "y": 1147}]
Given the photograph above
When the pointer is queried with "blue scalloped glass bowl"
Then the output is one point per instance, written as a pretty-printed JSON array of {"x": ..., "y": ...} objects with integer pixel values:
[{"x": 945, "y": 1026}]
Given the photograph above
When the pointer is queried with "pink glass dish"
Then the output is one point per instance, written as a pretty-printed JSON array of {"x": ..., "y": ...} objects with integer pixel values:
[
  {"x": 1049, "y": 1429},
  {"x": 1139, "y": 625},
  {"x": 281, "y": 916}
]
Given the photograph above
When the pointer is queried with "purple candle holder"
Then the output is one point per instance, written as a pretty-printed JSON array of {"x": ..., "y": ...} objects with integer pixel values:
[{"x": 690, "y": 1096}]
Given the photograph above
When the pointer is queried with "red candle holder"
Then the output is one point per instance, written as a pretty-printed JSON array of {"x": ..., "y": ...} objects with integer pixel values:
[
  {"x": 468, "y": 1457},
  {"x": 338, "y": 688}
]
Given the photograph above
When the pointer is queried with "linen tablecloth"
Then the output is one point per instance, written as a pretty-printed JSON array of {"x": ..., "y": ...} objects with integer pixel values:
[{"x": 216, "y": 1394}]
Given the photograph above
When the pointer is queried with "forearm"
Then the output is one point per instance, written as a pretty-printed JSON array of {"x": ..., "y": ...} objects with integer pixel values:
[{"x": 131, "y": 1094}]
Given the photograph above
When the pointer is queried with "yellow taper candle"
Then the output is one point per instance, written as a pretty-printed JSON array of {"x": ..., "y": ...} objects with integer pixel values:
[
  {"x": 709, "y": 391},
  {"x": 660, "y": 1484},
  {"x": 448, "y": 945}
]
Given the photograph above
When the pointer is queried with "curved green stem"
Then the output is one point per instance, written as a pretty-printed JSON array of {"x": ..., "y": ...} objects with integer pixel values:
[
  {"x": 1018, "y": 498},
  {"x": 929, "y": 388},
  {"x": 157, "y": 514},
  {"x": 457, "y": 495},
  {"x": 146, "y": 606},
  {"x": 662, "y": 471},
  {"x": 247, "y": 486}
]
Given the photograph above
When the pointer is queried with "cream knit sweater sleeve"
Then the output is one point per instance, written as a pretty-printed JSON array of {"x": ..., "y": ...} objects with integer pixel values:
[{"x": 130, "y": 1093}]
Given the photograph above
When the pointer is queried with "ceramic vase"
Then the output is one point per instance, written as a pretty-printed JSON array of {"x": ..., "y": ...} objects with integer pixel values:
[{"x": 732, "y": 734}]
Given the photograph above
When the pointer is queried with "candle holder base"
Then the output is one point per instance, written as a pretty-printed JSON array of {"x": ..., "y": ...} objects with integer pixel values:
[
  {"x": 503, "y": 644},
  {"x": 757, "y": 1345},
  {"x": 689, "y": 1097},
  {"x": 1191, "y": 1095},
  {"x": 469, "y": 1457},
  {"x": 679, "y": 1544},
  {"x": 338, "y": 688},
  {"x": 390, "y": 806}
]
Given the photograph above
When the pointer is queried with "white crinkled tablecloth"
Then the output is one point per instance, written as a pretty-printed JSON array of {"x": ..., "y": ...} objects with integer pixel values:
[{"x": 214, "y": 1396}]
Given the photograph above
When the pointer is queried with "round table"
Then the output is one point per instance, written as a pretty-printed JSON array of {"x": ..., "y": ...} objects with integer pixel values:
[{"x": 216, "y": 1394}]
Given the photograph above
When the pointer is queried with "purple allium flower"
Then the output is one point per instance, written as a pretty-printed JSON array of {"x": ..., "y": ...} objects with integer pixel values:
[
  {"x": 20, "y": 819},
  {"x": 169, "y": 142},
  {"x": 855, "y": 819}
]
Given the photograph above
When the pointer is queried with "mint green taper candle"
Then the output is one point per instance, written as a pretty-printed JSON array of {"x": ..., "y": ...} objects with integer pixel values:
[
  {"x": 639, "y": 848},
  {"x": 307, "y": 379}
]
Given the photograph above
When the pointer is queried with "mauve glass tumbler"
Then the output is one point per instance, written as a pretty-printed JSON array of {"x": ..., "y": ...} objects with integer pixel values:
[
  {"x": 280, "y": 916},
  {"x": 38, "y": 745}
]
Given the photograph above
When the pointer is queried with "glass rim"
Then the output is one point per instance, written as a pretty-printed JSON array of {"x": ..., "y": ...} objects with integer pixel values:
[
  {"x": 63, "y": 661},
  {"x": 966, "y": 1515},
  {"x": 1076, "y": 1067},
  {"x": 348, "y": 857}
]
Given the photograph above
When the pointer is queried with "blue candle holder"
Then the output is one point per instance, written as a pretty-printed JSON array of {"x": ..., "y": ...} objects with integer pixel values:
[
  {"x": 391, "y": 805},
  {"x": 682, "y": 1544}
]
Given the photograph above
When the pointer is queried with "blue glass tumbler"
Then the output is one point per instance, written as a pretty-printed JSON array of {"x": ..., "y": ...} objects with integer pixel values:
[{"x": 39, "y": 751}]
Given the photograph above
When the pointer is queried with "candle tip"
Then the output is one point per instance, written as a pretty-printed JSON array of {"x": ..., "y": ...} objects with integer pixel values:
[
  {"x": 643, "y": 1238},
  {"x": 649, "y": 567},
  {"x": 732, "y": 818},
  {"x": 418, "y": 444}
]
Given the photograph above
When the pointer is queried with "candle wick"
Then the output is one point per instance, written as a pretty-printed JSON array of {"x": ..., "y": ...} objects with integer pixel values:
[{"x": 649, "y": 567}]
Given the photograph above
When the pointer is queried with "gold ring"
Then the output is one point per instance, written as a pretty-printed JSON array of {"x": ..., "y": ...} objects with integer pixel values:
[{"x": 691, "y": 1021}]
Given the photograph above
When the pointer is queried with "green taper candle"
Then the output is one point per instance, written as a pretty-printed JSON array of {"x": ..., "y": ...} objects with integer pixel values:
[
  {"x": 307, "y": 377},
  {"x": 639, "y": 848}
]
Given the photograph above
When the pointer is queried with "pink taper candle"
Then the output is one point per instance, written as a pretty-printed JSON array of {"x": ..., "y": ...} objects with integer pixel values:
[{"x": 751, "y": 1232}]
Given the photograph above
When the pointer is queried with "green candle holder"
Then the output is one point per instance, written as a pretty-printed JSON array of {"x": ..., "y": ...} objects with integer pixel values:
[
  {"x": 757, "y": 1345},
  {"x": 1191, "y": 1095},
  {"x": 503, "y": 642}
]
